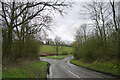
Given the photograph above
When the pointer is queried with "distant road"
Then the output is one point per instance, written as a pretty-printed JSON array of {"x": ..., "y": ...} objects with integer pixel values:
[{"x": 63, "y": 69}]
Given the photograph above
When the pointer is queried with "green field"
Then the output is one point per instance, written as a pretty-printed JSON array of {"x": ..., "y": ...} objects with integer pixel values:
[
  {"x": 30, "y": 70},
  {"x": 51, "y": 49},
  {"x": 58, "y": 57},
  {"x": 106, "y": 67}
]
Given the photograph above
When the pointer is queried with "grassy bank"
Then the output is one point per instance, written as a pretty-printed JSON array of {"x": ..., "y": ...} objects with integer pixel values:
[
  {"x": 30, "y": 70},
  {"x": 0, "y": 74},
  {"x": 51, "y": 49},
  {"x": 58, "y": 57},
  {"x": 106, "y": 67}
]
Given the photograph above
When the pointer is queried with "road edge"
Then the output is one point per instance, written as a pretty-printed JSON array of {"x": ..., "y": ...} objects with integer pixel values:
[{"x": 94, "y": 70}]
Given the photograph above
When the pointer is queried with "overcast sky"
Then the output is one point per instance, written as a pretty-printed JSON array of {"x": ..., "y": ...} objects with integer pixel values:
[{"x": 66, "y": 25}]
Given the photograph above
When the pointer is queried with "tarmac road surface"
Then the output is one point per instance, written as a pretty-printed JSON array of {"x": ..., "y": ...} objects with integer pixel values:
[{"x": 64, "y": 69}]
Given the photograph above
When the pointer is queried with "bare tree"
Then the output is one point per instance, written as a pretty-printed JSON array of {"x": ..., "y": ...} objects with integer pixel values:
[
  {"x": 81, "y": 34},
  {"x": 112, "y": 3},
  {"x": 93, "y": 9},
  {"x": 57, "y": 42},
  {"x": 100, "y": 13},
  {"x": 84, "y": 31},
  {"x": 17, "y": 17}
]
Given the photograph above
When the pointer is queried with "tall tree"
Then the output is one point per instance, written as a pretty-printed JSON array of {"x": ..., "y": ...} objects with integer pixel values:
[
  {"x": 112, "y": 3},
  {"x": 17, "y": 16},
  {"x": 57, "y": 43}
]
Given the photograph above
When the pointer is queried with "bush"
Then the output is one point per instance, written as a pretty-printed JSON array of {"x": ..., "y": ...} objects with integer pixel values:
[
  {"x": 95, "y": 49},
  {"x": 28, "y": 49},
  {"x": 31, "y": 48},
  {"x": 65, "y": 53}
]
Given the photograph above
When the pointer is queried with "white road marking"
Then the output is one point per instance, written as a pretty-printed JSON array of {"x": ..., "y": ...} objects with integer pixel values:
[{"x": 74, "y": 74}]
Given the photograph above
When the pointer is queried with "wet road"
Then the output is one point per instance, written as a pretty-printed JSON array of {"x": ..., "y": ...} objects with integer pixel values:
[{"x": 64, "y": 69}]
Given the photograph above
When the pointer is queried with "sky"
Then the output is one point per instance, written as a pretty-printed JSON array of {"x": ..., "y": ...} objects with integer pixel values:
[{"x": 65, "y": 26}]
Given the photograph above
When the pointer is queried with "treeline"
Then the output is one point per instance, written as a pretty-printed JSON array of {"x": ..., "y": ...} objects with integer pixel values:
[
  {"x": 49, "y": 41},
  {"x": 101, "y": 43},
  {"x": 23, "y": 24}
]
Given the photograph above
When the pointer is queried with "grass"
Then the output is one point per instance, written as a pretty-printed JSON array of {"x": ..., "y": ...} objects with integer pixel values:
[
  {"x": 58, "y": 57},
  {"x": 51, "y": 49},
  {"x": 30, "y": 70},
  {"x": 0, "y": 74},
  {"x": 106, "y": 67}
]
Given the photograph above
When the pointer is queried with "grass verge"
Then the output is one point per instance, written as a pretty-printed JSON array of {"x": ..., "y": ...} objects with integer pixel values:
[
  {"x": 0, "y": 74},
  {"x": 30, "y": 70},
  {"x": 105, "y": 67}
]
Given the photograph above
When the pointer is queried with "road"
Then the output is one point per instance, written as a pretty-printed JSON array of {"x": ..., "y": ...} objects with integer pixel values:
[{"x": 64, "y": 69}]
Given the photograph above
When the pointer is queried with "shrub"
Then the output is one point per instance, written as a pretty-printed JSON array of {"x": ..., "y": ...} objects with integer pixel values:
[
  {"x": 65, "y": 53},
  {"x": 95, "y": 49},
  {"x": 28, "y": 49},
  {"x": 31, "y": 48}
]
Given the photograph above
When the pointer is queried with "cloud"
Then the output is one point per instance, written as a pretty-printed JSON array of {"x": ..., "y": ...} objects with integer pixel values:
[{"x": 66, "y": 25}]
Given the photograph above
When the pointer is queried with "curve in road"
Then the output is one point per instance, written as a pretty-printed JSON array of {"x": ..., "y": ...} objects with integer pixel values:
[{"x": 64, "y": 69}]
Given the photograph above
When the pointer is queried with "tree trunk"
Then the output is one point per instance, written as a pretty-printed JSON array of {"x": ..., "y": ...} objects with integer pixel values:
[{"x": 9, "y": 41}]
